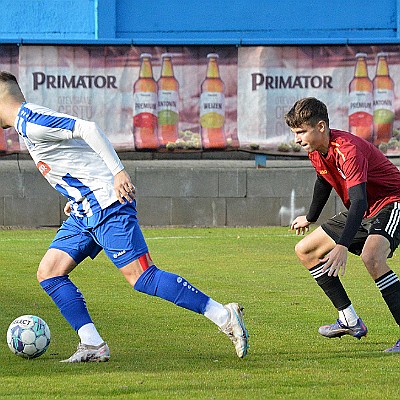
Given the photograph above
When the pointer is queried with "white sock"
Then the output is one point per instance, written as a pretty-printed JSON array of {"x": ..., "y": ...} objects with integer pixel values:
[
  {"x": 89, "y": 335},
  {"x": 348, "y": 316},
  {"x": 216, "y": 312}
]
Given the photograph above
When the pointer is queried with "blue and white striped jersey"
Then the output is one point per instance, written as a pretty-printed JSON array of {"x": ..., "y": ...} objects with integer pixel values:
[{"x": 74, "y": 155}]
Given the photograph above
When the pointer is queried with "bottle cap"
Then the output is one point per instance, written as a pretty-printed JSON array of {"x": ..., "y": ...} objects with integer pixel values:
[
  {"x": 170, "y": 55},
  {"x": 212, "y": 55},
  {"x": 382, "y": 54},
  {"x": 361, "y": 55},
  {"x": 146, "y": 55}
]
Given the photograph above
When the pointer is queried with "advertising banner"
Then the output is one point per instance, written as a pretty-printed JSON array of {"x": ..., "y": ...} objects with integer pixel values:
[
  {"x": 143, "y": 98},
  {"x": 195, "y": 98},
  {"x": 9, "y": 142},
  {"x": 358, "y": 84}
]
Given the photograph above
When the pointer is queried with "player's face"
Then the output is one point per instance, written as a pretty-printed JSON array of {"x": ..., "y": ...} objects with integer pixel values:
[{"x": 312, "y": 138}]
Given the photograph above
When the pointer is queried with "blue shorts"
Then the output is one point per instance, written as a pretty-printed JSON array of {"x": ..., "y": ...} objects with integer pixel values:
[{"x": 115, "y": 229}]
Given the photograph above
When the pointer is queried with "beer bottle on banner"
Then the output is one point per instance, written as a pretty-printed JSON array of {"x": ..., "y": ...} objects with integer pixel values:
[
  {"x": 168, "y": 102},
  {"x": 3, "y": 143},
  {"x": 212, "y": 107},
  {"x": 383, "y": 101},
  {"x": 360, "y": 106},
  {"x": 145, "y": 107}
]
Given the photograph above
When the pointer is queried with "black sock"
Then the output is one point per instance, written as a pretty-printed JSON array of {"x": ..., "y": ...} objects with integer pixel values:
[
  {"x": 389, "y": 286},
  {"x": 332, "y": 287}
]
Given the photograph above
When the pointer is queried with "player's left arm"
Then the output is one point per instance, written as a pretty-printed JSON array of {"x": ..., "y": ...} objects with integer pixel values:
[
  {"x": 98, "y": 141},
  {"x": 336, "y": 260},
  {"x": 358, "y": 206},
  {"x": 353, "y": 162}
]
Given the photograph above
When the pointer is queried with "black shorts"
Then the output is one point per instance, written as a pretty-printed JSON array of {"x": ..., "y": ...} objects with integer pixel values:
[{"x": 386, "y": 223}]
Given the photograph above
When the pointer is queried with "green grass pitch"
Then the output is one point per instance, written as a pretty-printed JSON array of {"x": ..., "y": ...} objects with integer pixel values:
[{"x": 159, "y": 351}]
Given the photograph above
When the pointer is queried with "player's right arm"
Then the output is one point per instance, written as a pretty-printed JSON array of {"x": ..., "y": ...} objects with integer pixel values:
[
  {"x": 300, "y": 225},
  {"x": 98, "y": 141},
  {"x": 322, "y": 191},
  {"x": 123, "y": 187},
  {"x": 67, "y": 209}
]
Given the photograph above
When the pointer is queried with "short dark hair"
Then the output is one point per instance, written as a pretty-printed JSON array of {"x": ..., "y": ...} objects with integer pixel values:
[
  {"x": 308, "y": 110},
  {"x": 7, "y": 76}
]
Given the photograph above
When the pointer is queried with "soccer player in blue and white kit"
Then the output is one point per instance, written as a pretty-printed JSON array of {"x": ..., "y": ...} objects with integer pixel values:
[{"x": 78, "y": 160}]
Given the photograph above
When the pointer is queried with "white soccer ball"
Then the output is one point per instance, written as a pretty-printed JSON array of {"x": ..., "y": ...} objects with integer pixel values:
[{"x": 28, "y": 336}]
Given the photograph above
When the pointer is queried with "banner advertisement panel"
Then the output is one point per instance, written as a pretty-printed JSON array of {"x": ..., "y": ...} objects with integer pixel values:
[
  {"x": 9, "y": 141},
  {"x": 195, "y": 98},
  {"x": 357, "y": 83},
  {"x": 143, "y": 98}
]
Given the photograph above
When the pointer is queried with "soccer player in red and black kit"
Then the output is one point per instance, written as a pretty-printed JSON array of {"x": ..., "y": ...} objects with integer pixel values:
[{"x": 369, "y": 186}]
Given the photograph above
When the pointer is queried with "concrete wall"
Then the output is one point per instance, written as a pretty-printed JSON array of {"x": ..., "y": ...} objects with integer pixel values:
[{"x": 177, "y": 193}]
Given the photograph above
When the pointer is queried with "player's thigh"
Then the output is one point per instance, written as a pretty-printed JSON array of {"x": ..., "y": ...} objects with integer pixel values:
[
  {"x": 382, "y": 241},
  {"x": 120, "y": 235},
  {"x": 55, "y": 263},
  {"x": 70, "y": 246},
  {"x": 385, "y": 225},
  {"x": 313, "y": 247}
]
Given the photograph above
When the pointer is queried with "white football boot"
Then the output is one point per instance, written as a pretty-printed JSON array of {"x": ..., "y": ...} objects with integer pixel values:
[
  {"x": 235, "y": 329},
  {"x": 87, "y": 353}
]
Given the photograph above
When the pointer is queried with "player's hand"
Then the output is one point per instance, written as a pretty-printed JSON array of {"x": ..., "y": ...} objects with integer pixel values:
[
  {"x": 124, "y": 188},
  {"x": 301, "y": 225},
  {"x": 67, "y": 209},
  {"x": 335, "y": 261}
]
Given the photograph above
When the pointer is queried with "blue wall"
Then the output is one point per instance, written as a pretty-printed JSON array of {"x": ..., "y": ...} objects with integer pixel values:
[{"x": 238, "y": 22}]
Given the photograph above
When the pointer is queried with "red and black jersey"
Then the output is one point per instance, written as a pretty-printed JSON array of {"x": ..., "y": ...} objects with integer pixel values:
[{"x": 352, "y": 160}]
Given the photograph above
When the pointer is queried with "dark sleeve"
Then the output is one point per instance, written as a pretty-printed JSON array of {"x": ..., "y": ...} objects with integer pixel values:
[
  {"x": 358, "y": 206},
  {"x": 322, "y": 190}
]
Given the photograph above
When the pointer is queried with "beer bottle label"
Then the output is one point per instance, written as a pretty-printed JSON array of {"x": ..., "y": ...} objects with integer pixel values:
[
  {"x": 168, "y": 101},
  {"x": 383, "y": 106},
  {"x": 145, "y": 102},
  {"x": 3, "y": 143},
  {"x": 145, "y": 109},
  {"x": 212, "y": 109},
  {"x": 360, "y": 109}
]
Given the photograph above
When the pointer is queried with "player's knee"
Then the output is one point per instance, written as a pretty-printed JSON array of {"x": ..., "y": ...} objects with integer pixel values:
[
  {"x": 372, "y": 262},
  {"x": 42, "y": 273},
  {"x": 132, "y": 272},
  {"x": 371, "y": 257},
  {"x": 46, "y": 271},
  {"x": 301, "y": 250},
  {"x": 307, "y": 256},
  {"x": 39, "y": 276}
]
